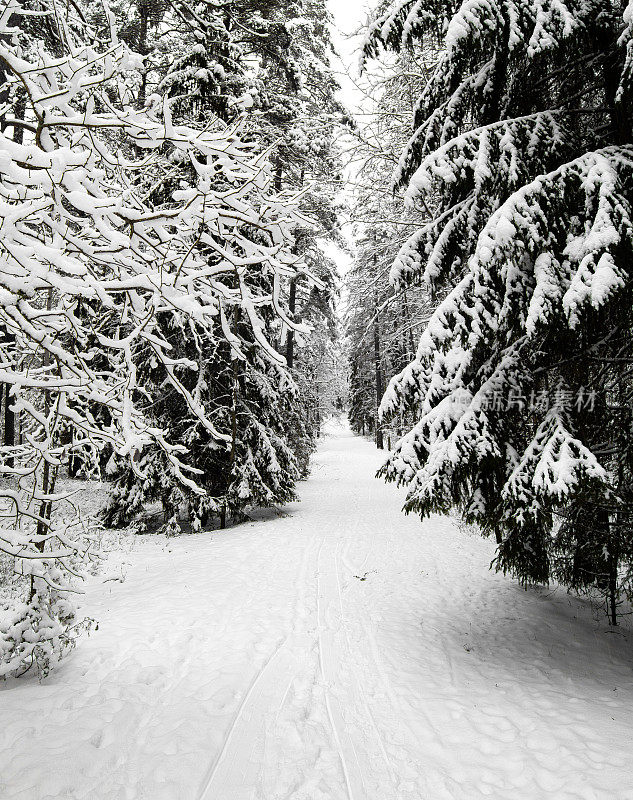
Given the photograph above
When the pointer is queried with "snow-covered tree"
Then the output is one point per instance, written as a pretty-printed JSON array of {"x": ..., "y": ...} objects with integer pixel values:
[
  {"x": 295, "y": 110},
  {"x": 251, "y": 398},
  {"x": 255, "y": 52},
  {"x": 522, "y": 151},
  {"x": 382, "y": 322},
  {"x": 95, "y": 274}
]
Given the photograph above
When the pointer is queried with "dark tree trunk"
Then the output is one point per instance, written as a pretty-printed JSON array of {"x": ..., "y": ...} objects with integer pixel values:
[
  {"x": 143, "y": 12},
  {"x": 49, "y": 475},
  {"x": 613, "y": 593},
  {"x": 9, "y": 422},
  {"x": 279, "y": 175},
  {"x": 233, "y": 453},
  {"x": 379, "y": 379},
  {"x": 290, "y": 338},
  {"x": 409, "y": 328},
  {"x": 379, "y": 387},
  {"x": 19, "y": 112}
]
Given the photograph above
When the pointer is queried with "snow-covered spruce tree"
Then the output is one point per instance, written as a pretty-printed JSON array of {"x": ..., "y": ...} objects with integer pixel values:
[
  {"x": 91, "y": 272},
  {"x": 271, "y": 59},
  {"x": 199, "y": 60},
  {"x": 522, "y": 150},
  {"x": 295, "y": 110},
  {"x": 315, "y": 361},
  {"x": 379, "y": 330},
  {"x": 229, "y": 58},
  {"x": 251, "y": 398}
]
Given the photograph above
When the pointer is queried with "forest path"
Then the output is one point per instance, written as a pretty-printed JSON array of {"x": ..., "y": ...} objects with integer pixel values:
[
  {"x": 341, "y": 651},
  {"x": 254, "y": 760}
]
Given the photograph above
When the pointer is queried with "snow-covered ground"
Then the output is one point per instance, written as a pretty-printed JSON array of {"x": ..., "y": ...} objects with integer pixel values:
[{"x": 340, "y": 651}]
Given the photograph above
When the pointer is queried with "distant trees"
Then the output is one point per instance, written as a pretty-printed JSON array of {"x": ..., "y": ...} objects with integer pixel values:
[
  {"x": 522, "y": 154},
  {"x": 382, "y": 322}
]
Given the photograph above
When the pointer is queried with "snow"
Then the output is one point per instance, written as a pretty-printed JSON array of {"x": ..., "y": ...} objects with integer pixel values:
[{"x": 337, "y": 651}]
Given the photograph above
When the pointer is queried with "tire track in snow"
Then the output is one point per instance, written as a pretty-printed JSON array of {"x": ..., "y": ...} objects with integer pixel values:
[
  {"x": 368, "y": 772},
  {"x": 236, "y": 772}
]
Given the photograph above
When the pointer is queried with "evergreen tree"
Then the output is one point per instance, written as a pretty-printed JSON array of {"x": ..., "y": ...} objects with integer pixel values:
[
  {"x": 252, "y": 400},
  {"x": 522, "y": 151},
  {"x": 265, "y": 413}
]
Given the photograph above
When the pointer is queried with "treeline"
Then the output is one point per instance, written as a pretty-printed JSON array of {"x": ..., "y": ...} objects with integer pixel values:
[
  {"x": 383, "y": 322},
  {"x": 167, "y": 311},
  {"x": 514, "y": 237}
]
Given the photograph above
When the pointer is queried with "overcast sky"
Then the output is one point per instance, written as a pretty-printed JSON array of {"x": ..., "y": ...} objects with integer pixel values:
[{"x": 348, "y": 15}]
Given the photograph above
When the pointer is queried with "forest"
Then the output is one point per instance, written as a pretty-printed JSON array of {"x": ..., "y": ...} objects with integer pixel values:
[{"x": 247, "y": 281}]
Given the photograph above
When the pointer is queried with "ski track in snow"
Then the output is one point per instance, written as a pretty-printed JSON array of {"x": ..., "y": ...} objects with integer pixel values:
[
  {"x": 340, "y": 652},
  {"x": 363, "y": 757},
  {"x": 235, "y": 773}
]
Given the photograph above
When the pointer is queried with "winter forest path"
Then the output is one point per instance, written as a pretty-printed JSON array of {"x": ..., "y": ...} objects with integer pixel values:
[{"x": 339, "y": 652}]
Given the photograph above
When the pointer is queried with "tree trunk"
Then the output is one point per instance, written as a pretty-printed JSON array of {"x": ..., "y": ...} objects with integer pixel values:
[
  {"x": 49, "y": 476},
  {"x": 279, "y": 174},
  {"x": 143, "y": 12},
  {"x": 613, "y": 593},
  {"x": 379, "y": 380},
  {"x": 233, "y": 433},
  {"x": 290, "y": 338},
  {"x": 9, "y": 416},
  {"x": 409, "y": 328},
  {"x": 9, "y": 422}
]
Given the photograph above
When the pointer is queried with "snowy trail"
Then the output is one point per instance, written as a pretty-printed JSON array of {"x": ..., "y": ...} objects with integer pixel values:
[
  {"x": 340, "y": 652},
  {"x": 235, "y": 773},
  {"x": 358, "y": 741}
]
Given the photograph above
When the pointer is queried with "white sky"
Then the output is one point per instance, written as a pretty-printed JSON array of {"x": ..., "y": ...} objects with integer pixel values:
[{"x": 348, "y": 15}]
